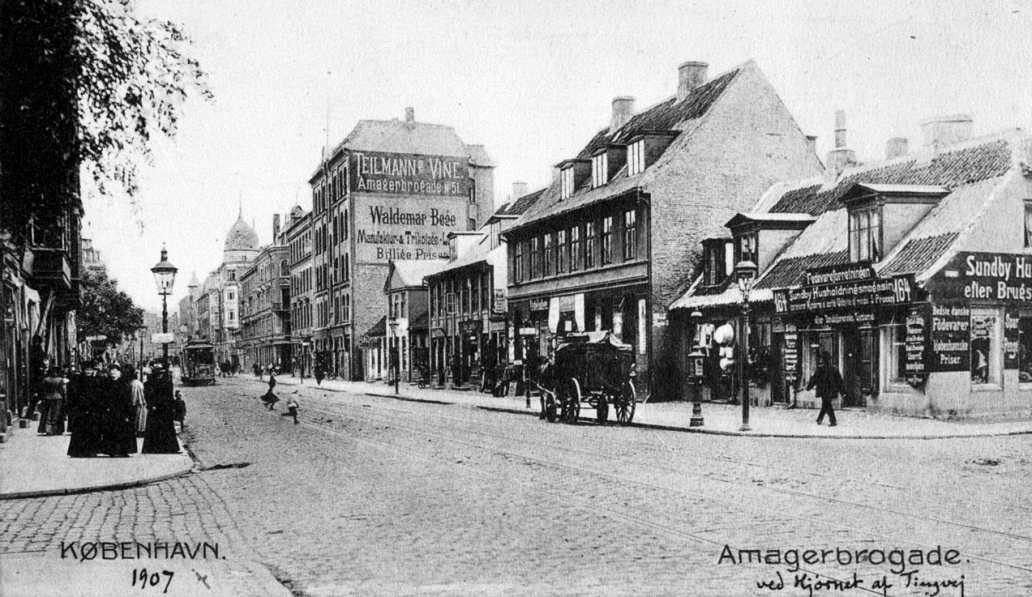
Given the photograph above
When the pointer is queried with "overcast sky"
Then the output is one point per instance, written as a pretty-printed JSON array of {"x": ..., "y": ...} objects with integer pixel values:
[{"x": 532, "y": 81}]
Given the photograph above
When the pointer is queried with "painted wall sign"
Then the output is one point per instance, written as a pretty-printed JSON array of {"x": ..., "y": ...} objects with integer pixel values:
[
  {"x": 403, "y": 229},
  {"x": 409, "y": 174},
  {"x": 951, "y": 338},
  {"x": 1010, "y": 339},
  {"x": 539, "y": 304},
  {"x": 858, "y": 295},
  {"x": 837, "y": 274},
  {"x": 985, "y": 276},
  {"x": 790, "y": 357}
]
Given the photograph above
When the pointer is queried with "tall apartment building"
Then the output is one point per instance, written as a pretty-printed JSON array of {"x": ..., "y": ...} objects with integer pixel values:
[
  {"x": 298, "y": 237},
  {"x": 265, "y": 306},
  {"x": 392, "y": 190}
]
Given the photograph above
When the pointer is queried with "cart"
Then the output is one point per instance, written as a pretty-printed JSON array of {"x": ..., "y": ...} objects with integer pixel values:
[
  {"x": 198, "y": 364},
  {"x": 593, "y": 369}
]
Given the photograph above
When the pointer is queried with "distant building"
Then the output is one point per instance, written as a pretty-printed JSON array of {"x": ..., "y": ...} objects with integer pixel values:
[
  {"x": 265, "y": 306},
  {"x": 392, "y": 190},
  {"x": 298, "y": 238},
  {"x": 91, "y": 261}
]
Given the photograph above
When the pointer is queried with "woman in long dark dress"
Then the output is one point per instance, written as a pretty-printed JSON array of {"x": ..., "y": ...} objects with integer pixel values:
[
  {"x": 160, "y": 437},
  {"x": 120, "y": 429},
  {"x": 85, "y": 418}
]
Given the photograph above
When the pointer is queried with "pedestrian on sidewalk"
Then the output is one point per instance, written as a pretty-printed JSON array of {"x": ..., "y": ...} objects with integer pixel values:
[
  {"x": 292, "y": 407},
  {"x": 86, "y": 417},
  {"x": 828, "y": 382},
  {"x": 51, "y": 420},
  {"x": 257, "y": 370},
  {"x": 139, "y": 403},
  {"x": 319, "y": 374},
  {"x": 161, "y": 428},
  {"x": 180, "y": 411},
  {"x": 119, "y": 435}
]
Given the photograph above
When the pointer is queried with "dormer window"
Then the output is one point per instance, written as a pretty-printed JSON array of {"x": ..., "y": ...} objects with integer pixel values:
[
  {"x": 865, "y": 234},
  {"x": 747, "y": 246},
  {"x": 636, "y": 157},
  {"x": 599, "y": 170},
  {"x": 566, "y": 182}
]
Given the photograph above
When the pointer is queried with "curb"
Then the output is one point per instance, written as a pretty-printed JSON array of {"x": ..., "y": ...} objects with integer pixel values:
[{"x": 106, "y": 487}]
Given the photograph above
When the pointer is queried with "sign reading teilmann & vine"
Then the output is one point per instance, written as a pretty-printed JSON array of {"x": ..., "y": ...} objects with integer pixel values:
[{"x": 409, "y": 174}]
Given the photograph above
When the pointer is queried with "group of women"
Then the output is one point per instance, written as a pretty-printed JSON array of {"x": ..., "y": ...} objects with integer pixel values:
[{"x": 106, "y": 412}]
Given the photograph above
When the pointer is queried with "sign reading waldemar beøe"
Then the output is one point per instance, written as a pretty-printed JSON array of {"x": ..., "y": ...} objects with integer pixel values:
[
  {"x": 409, "y": 174},
  {"x": 985, "y": 276}
]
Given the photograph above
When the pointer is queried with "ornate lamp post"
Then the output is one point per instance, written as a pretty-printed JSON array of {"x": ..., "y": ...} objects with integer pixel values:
[
  {"x": 745, "y": 274},
  {"x": 164, "y": 276},
  {"x": 695, "y": 365}
]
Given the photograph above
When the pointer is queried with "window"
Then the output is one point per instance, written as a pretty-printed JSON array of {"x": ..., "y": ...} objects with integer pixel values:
[
  {"x": 562, "y": 253},
  {"x": 897, "y": 366},
  {"x": 589, "y": 246},
  {"x": 485, "y": 291},
  {"x": 475, "y": 292},
  {"x": 471, "y": 224},
  {"x": 636, "y": 158},
  {"x": 599, "y": 170},
  {"x": 986, "y": 347},
  {"x": 517, "y": 265},
  {"x": 607, "y": 240},
  {"x": 549, "y": 255},
  {"x": 566, "y": 182},
  {"x": 865, "y": 234},
  {"x": 1025, "y": 347},
  {"x": 747, "y": 248},
  {"x": 472, "y": 191},
  {"x": 575, "y": 249},
  {"x": 630, "y": 246},
  {"x": 535, "y": 258}
]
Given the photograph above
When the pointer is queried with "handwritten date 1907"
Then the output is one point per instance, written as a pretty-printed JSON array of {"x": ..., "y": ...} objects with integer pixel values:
[{"x": 146, "y": 580}]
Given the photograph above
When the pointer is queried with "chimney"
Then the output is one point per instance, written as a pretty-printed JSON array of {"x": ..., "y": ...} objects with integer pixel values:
[
  {"x": 519, "y": 189},
  {"x": 689, "y": 76},
  {"x": 811, "y": 143},
  {"x": 275, "y": 227},
  {"x": 841, "y": 157},
  {"x": 946, "y": 130},
  {"x": 410, "y": 114},
  {"x": 896, "y": 147},
  {"x": 623, "y": 109}
]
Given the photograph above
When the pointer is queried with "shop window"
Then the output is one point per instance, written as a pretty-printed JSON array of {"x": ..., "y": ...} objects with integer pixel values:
[
  {"x": 549, "y": 255},
  {"x": 817, "y": 344},
  {"x": 986, "y": 347},
  {"x": 590, "y": 237},
  {"x": 1025, "y": 347},
  {"x": 896, "y": 353},
  {"x": 575, "y": 249},
  {"x": 563, "y": 252},
  {"x": 630, "y": 248},
  {"x": 865, "y": 234},
  {"x": 607, "y": 240}
]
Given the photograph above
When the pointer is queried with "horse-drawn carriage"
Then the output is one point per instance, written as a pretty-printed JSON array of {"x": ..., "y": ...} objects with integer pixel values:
[{"x": 591, "y": 368}]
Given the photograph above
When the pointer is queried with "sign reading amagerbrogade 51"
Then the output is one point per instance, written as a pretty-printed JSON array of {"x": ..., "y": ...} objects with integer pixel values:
[{"x": 409, "y": 174}]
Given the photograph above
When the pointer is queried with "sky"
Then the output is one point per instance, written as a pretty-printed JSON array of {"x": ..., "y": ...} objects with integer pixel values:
[{"x": 532, "y": 81}]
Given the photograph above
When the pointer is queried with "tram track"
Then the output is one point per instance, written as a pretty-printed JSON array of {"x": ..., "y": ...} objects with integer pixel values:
[{"x": 378, "y": 417}]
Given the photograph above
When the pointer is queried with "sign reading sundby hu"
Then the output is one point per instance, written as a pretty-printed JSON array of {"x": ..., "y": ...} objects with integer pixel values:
[{"x": 405, "y": 205}]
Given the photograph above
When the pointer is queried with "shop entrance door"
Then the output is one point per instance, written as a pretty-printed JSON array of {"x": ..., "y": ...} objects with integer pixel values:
[{"x": 853, "y": 372}]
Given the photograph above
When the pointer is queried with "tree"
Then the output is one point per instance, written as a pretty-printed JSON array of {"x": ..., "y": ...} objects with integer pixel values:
[
  {"x": 82, "y": 83},
  {"x": 106, "y": 311}
]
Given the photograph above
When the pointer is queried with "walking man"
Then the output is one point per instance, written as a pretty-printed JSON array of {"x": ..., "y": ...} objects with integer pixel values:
[{"x": 829, "y": 385}]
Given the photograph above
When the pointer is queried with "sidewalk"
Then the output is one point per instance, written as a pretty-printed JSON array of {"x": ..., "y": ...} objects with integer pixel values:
[
  {"x": 34, "y": 465},
  {"x": 720, "y": 419}
]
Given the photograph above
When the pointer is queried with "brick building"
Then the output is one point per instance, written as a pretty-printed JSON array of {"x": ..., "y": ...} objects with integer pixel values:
[
  {"x": 298, "y": 237},
  {"x": 614, "y": 239},
  {"x": 393, "y": 189}
]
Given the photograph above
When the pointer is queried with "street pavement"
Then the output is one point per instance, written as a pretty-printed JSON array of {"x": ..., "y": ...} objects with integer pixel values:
[{"x": 448, "y": 493}]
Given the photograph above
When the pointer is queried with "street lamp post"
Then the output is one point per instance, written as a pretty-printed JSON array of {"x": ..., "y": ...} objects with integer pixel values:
[
  {"x": 164, "y": 276},
  {"x": 745, "y": 274},
  {"x": 395, "y": 354},
  {"x": 695, "y": 373}
]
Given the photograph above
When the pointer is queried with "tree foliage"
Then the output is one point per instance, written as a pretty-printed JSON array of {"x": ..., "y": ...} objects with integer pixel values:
[
  {"x": 83, "y": 83},
  {"x": 106, "y": 310}
]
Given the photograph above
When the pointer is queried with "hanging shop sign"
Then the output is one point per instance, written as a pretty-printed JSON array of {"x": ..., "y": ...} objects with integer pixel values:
[
  {"x": 846, "y": 296},
  {"x": 916, "y": 347},
  {"x": 984, "y": 276},
  {"x": 539, "y": 304},
  {"x": 471, "y": 326}
]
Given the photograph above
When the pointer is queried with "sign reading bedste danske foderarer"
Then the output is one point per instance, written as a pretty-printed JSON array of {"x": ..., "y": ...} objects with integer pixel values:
[{"x": 409, "y": 174}]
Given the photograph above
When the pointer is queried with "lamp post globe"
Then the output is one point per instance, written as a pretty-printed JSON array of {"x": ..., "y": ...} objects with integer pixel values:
[
  {"x": 745, "y": 275},
  {"x": 165, "y": 277}
]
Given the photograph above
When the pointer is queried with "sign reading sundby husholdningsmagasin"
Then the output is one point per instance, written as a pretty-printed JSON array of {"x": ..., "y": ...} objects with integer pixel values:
[
  {"x": 409, "y": 174},
  {"x": 984, "y": 277}
]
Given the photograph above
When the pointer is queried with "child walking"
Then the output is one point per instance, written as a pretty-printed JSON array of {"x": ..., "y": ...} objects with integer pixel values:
[
  {"x": 180, "y": 411},
  {"x": 292, "y": 407}
]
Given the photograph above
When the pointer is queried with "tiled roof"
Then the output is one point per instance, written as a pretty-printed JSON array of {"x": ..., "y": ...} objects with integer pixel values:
[
  {"x": 918, "y": 254},
  {"x": 397, "y": 136},
  {"x": 669, "y": 115},
  {"x": 788, "y": 272},
  {"x": 412, "y": 271},
  {"x": 949, "y": 169},
  {"x": 421, "y": 322},
  {"x": 379, "y": 329},
  {"x": 520, "y": 205}
]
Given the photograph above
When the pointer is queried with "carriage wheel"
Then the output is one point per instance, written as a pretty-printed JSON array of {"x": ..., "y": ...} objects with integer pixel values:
[
  {"x": 550, "y": 409},
  {"x": 625, "y": 403},
  {"x": 571, "y": 401},
  {"x": 602, "y": 411}
]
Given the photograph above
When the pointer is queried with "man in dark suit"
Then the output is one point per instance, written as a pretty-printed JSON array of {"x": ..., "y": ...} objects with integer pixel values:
[{"x": 829, "y": 385}]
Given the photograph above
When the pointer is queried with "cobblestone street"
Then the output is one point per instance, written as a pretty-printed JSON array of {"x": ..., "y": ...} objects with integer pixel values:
[{"x": 374, "y": 496}]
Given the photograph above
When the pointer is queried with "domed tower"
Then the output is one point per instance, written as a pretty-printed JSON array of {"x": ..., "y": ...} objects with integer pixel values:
[{"x": 241, "y": 242}]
